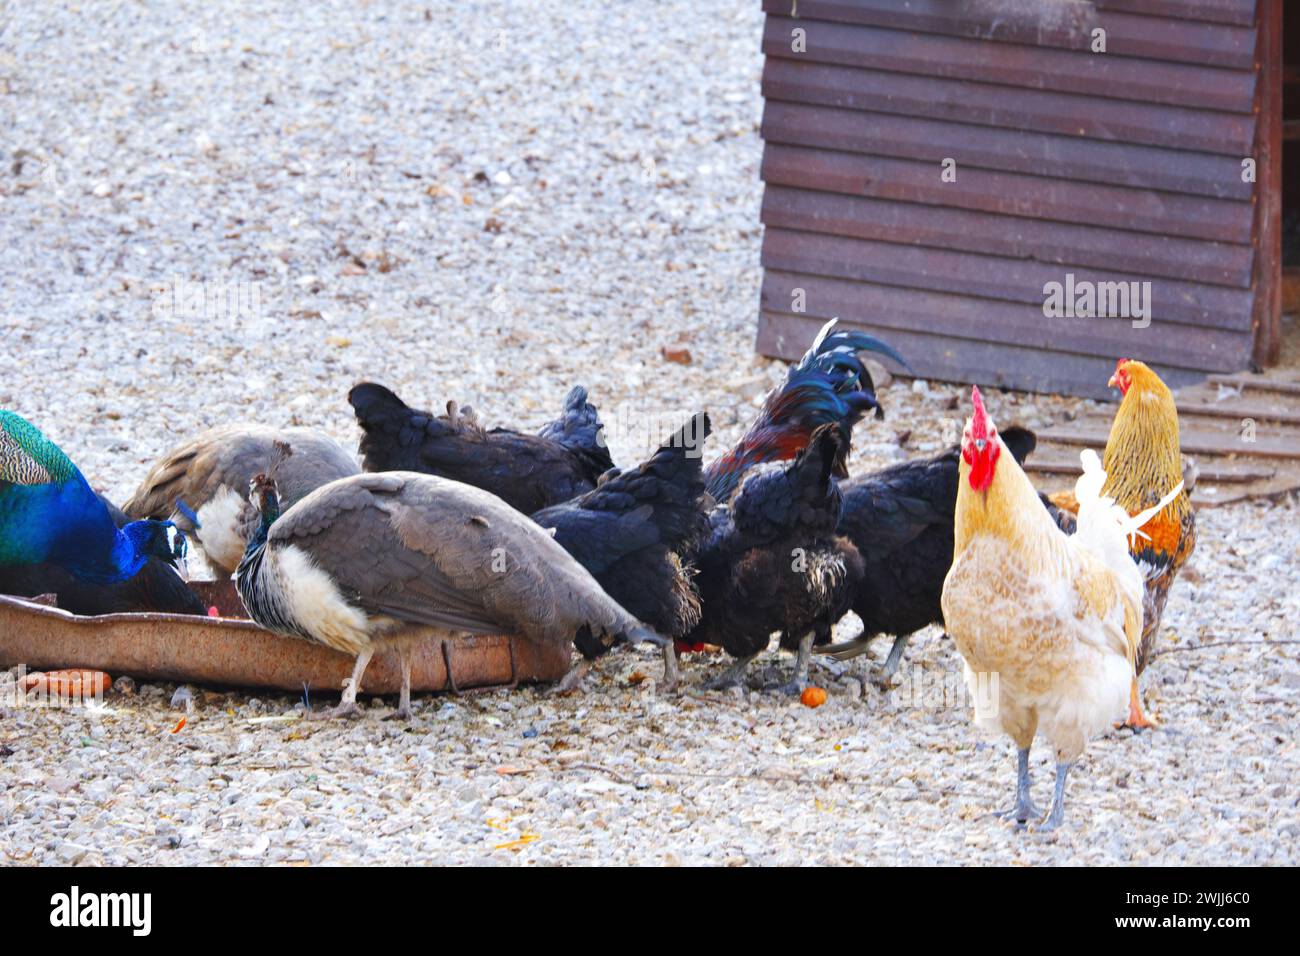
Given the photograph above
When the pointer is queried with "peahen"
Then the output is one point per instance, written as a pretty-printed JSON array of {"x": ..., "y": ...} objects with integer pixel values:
[
  {"x": 49, "y": 514},
  {"x": 385, "y": 560},
  {"x": 209, "y": 475}
]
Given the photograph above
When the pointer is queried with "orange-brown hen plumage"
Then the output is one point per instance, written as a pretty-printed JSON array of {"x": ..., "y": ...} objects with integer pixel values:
[{"x": 1143, "y": 460}]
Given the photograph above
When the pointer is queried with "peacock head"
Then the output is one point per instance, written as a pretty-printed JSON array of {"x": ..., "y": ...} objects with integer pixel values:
[
  {"x": 980, "y": 445},
  {"x": 156, "y": 539}
]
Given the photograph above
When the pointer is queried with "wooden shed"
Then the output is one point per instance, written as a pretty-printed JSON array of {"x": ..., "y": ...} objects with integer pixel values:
[{"x": 931, "y": 167}]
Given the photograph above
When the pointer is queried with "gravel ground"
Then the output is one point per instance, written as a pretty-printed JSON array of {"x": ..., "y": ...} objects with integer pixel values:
[{"x": 492, "y": 206}]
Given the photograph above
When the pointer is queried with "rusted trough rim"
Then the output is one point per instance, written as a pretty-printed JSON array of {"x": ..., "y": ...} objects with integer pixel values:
[{"x": 228, "y": 652}]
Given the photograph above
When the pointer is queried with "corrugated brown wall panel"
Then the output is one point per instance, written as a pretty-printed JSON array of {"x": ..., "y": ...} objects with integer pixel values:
[
  {"x": 964, "y": 360},
  {"x": 1046, "y": 24},
  {"x": 1039, "y": 154},
  {"x": 1239, "y": 12},
  {"x": 1149, "y": 81},
  {"x": 859, "y": 219},
  {"x": 1012, "y": 194},
  {"x": 968, "y": 317},
  {"x": 990, "y": 277},
  {"x": 1063, "y": 243},
  {"x": 1211, "y": 131},
  {"x": 1061, "y": 23}
]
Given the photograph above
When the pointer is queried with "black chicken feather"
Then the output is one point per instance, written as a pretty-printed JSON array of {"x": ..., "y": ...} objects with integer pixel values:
[
  {"x": 773, "y": 561},
  {"x": 529, "y": 472},
  {"x": 637, "y": 530}
]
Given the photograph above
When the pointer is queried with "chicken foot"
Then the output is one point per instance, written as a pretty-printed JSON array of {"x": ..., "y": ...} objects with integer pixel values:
[
  {"x": 1024, "y": 809},
  {"x": 1057, "y": 813},
  {"x": 732, "y": 676},
  {"x": 1137, "y": 720},
  {"x": 799, "y": 676}
]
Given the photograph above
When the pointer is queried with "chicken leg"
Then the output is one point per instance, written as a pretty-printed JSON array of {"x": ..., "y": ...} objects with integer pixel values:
[
  {"x": 1137, "y": 720},
  {"x": 1057, "y": 813},
  {"x": 799, "y": 676},
  {"x": 732, "y": 676},
  {"x": 672, "y": 673},
  {"x": 882, "y": 680},
  {"x": 1024, "y": 809}
]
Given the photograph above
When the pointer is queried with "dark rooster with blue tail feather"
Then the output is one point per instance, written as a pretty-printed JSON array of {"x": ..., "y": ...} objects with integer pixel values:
[
  {"x": 830, "y": 384},
  {"x": 774, "y": 561}
]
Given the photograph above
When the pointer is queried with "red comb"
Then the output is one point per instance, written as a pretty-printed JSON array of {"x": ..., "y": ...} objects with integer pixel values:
[
  {"x": 1121, "y": 363},
  {"x": 979, "y": 421}
]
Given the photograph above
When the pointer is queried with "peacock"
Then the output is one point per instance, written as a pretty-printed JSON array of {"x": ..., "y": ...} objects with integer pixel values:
[
  {"x": 49, "y": 514},
  {"x": 157, "y": 588}
]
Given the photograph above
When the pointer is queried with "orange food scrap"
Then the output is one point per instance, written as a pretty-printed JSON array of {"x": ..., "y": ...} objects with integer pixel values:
[
  {"x": 180, "y": 725},
  {"x": 812, "y": 697},
  {"x": 68, "y": 684}
]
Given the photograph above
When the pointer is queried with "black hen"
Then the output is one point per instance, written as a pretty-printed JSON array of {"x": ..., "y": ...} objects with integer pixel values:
[
  {"x": 774, "y": 562},
  {"x": 528, "y": 472},
  {"x": 901, "y": 520},
  {"x": 638, "y": 530},
  {"x": 156, "y": 587}
]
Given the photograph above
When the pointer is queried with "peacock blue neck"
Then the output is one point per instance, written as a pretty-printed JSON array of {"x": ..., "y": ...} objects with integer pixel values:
[{"x": 49, "y": 513}]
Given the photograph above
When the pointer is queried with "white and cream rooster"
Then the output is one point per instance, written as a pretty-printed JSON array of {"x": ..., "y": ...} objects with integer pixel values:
[{"x": 1047, "y": 623}]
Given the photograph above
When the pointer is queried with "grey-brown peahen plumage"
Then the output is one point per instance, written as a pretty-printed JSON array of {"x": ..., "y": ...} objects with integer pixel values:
[
  {"x": 380, "y": 560},
  {"x": 211, "y": 476}
]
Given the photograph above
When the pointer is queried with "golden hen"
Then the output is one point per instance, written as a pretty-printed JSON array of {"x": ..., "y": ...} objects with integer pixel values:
[
  {"x": 1047, "y": 623},
  {"x": 1142, "y": 458}
]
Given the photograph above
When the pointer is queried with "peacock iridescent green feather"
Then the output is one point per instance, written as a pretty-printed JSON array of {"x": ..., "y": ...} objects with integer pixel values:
[{"x": 27, "y": 457}]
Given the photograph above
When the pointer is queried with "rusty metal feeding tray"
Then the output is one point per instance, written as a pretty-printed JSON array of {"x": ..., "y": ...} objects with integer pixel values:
[{"x": 232, "y": 651}]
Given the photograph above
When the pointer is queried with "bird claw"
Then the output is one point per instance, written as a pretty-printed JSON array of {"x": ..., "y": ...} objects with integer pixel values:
[
  {"x": 1050, "y": 822},
  {"x": 1021, "y": 813},
  {"x": 883, "y": 682},
  {"x": 792, "y": 688},
  {"x": 347, "y": 710},
  {"x": 571, "y": 682},
  {"x": 401, "y": 713},
  {"x": 724, "y": 681},
  {"x": 1138, "y": 724}
]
